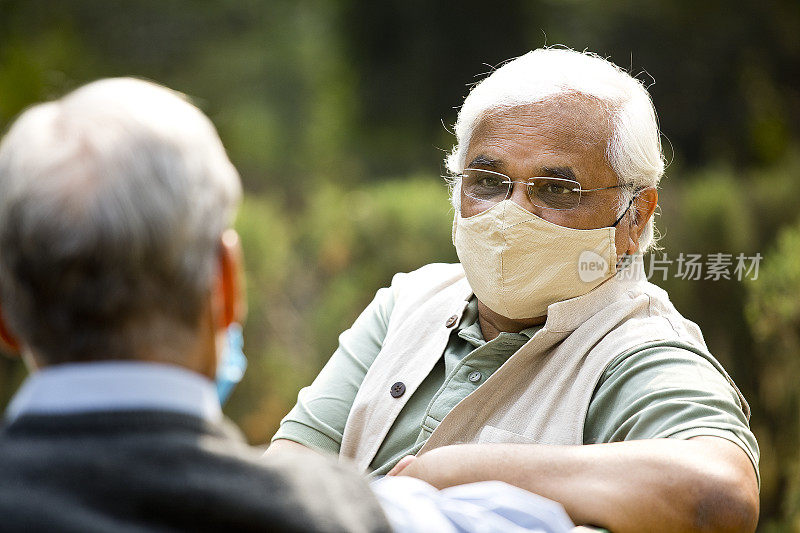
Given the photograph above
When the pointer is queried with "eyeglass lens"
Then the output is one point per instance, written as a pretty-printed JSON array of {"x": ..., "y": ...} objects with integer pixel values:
[{"x": 493, "y": 187}]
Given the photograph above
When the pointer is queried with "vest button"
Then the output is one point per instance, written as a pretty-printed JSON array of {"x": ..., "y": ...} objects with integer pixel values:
[
  {"x": 474, "y": 377},
  {"x": 398, "y": 389},
  {"x": 451, "y": 321}
]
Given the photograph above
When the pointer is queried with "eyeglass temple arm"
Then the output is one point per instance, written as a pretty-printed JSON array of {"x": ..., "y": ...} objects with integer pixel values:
[{"x": 602, "y": 188}]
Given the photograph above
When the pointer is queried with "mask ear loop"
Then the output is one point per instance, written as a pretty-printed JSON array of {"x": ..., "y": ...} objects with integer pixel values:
[
  {"x": 626, "y": 259},
  {"x": 635, "y": 195},
  {"x": 614, "y": 225}
]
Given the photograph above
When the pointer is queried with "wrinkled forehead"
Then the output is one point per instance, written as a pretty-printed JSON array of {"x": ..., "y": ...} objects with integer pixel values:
[{"x": 567, "y": 120}]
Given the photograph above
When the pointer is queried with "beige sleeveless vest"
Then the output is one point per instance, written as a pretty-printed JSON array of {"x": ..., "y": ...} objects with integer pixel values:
[{"x": 541, "y": 394}]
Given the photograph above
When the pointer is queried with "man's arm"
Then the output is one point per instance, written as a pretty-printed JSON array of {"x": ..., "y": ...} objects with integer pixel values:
[
  {"x": 701, "y": 484},
  {"x": 285, "y": 445}
]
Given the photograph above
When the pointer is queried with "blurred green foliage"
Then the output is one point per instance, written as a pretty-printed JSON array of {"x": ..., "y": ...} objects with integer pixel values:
[
  {"x": 311, "y": 271},
  {"x": 336, "y": 114},
  {"x": 773, "y": 310}
]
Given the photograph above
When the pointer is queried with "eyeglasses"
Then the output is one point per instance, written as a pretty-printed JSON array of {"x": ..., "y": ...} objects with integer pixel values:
[{"x": 549, "y": 193}]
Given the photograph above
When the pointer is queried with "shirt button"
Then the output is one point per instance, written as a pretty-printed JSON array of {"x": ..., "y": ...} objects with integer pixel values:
[
  {"x": 474, "y": 376},
  {"x": 398, "y": 389},
  {"x": 451, "y": 321}
]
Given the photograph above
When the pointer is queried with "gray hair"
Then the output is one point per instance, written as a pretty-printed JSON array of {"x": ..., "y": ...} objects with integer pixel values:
[
  {"x": 634, "y": 148},
  {"x": 112, "y": 203}
]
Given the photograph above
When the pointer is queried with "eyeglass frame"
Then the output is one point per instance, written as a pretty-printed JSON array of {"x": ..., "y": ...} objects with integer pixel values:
[{"x": 579, "y": 190}]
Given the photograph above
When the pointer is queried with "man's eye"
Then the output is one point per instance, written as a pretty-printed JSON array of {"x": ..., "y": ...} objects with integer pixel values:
[
  {"x": 489, "y": 182},
  {"x": 555, "y": 188}
]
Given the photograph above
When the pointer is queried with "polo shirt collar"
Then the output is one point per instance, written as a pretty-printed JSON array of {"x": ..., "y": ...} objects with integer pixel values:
[{"x": 469, "y": 329}]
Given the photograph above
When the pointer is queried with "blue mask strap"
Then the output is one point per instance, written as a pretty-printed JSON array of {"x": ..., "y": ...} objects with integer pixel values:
[{"x": 232, "y": 363}]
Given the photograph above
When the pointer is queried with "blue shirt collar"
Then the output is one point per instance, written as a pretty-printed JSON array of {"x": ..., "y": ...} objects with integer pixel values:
[{"x": 115, "y": 386}]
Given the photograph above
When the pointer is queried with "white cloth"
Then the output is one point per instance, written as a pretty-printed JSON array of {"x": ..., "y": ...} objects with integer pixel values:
[{"x": 413, "y": 506}]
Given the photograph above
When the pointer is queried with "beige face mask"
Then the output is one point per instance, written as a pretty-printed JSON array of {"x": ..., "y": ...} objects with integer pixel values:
[{"x": 518, "y": 263}]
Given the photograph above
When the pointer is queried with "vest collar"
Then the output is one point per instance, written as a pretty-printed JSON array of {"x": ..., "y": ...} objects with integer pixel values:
[{"x": 568, "y": 315}]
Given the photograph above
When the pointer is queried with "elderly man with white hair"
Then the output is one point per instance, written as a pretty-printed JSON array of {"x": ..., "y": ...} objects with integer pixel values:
[
  {"x": 545, "y": 358},
  {"x": 119, "y": 287}
]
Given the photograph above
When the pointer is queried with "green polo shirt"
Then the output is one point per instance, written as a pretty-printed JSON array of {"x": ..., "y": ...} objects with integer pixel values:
[{"x": 658, "y": 392}]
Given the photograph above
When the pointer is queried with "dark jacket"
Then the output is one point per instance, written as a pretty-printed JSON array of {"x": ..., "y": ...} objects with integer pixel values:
[{"x": 162, "y": 471}]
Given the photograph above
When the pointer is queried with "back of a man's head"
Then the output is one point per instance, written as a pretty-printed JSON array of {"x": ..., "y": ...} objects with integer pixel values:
[{"x": 112, "y": 203}]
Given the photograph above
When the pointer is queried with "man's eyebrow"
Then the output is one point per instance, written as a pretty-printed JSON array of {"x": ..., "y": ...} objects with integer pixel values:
[
  {"x": 485, "y": 161},
  {"x": 560, "y": 172}
]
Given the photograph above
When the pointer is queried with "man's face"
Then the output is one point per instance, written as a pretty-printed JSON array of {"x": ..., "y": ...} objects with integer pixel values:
[{"x": 563, "y": 138}]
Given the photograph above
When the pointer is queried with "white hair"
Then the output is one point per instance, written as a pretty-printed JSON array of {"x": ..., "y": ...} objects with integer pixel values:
[
  {"x": 112, "y": 203},
  {"x": 634, "y": 148}
]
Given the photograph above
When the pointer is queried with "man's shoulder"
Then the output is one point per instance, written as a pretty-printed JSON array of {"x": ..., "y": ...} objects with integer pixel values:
[
  {"x": 433, "y": 284},
  {"x": 131, "y": 436},
  {"x": 430, "y": 274},
  {"x": 644, "y": 314}
]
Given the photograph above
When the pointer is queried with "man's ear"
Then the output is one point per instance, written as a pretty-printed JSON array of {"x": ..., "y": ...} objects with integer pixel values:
[
  {"x": 230, "y": 283},
  {"x": 644, "y": 205},
  {"x": 8, "y": 343}
]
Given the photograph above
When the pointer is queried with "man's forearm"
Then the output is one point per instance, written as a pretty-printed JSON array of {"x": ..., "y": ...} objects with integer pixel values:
[
  {"x": 704, "y": 484},
  {"x": 284, "y": 445}
]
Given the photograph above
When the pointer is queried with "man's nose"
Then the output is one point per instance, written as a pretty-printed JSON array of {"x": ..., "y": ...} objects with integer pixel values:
[{"x": 519, "y": 195}]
